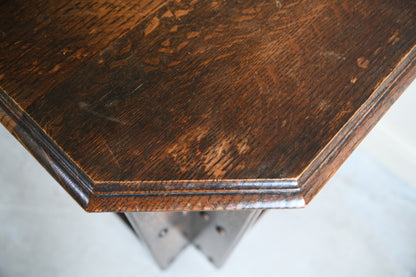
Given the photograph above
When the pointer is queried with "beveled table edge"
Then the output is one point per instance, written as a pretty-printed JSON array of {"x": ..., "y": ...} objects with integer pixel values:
[{"x": 128, "y": 196}]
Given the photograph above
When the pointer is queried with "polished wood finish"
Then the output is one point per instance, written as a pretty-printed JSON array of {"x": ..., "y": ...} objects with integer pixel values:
[{"x": 199, "y": 105}]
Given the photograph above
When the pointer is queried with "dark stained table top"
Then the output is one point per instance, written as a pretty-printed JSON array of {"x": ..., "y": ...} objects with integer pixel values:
[{"x": 199, "y": 105}]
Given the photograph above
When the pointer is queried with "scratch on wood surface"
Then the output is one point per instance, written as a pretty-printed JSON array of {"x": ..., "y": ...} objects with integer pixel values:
[
  {"x": 151, "y": 26},
  {"x": 243, "y": 146},
  {"x": 278, "y": 4},
  {"x": 332, "y": 54},
  {"x": 55, "y": 69},
  {"x": 113, "y": 156},
  {"x": 84, "y": 106},
  {"x": 394, "y": 38},
  {"x": 217, "y": 158},
  {"x": 139, "y": 86},
  {"x": 363, "y": 62}
]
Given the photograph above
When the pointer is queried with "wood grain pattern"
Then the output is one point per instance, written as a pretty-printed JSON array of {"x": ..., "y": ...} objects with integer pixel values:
[{"x": 199, "y": 105}]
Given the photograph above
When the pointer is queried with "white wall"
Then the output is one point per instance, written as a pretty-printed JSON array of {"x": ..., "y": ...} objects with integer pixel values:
[{"x": 393, "y": 140}]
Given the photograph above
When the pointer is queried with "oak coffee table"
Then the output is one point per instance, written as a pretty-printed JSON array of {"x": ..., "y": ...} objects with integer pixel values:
[{"x": 193, "y": 117}]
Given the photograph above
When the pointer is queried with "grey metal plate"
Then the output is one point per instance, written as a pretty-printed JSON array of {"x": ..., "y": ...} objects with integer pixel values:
[
  {"x": 214, "y": 233},
  {"x": 224, "y": 231}
]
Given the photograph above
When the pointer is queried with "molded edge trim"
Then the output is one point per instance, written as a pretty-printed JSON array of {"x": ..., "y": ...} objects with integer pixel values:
[
  {"x": 93, "y": 197},
  {"x": 315, "y": 176},
  {"x": 209, "y": 194},
  {"x": 31, "y": 136}
]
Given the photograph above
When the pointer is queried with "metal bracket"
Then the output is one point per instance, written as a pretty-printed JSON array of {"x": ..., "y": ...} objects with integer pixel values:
[{"x": 214, "y": 233}]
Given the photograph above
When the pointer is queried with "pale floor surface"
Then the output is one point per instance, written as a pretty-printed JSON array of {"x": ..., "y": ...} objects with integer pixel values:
[{"x": 363, "y": 223}]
